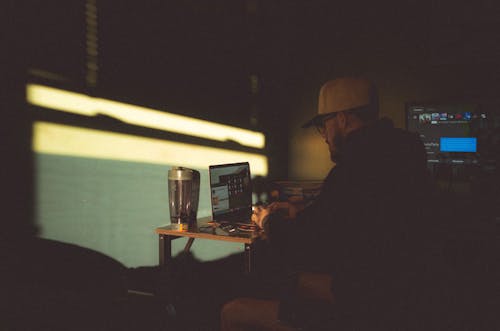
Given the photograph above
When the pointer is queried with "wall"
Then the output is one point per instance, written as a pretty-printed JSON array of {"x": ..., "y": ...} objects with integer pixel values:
[
  {"x": 101, "y": 181},
  {"x": 112, "y": 207}
]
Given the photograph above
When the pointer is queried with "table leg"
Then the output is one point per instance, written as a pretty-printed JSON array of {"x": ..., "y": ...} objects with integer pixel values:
[
  {"x": 165, "y": 243},
  {"x": 188, "y": 245},
  {"x": 249, "y": 258}
]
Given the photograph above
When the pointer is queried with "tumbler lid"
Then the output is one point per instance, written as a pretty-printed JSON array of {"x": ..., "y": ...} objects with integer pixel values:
[{"x": 180, "y": 173}]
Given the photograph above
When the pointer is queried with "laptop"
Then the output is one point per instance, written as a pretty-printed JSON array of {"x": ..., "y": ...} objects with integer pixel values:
[{"x": 231, "y": 193}]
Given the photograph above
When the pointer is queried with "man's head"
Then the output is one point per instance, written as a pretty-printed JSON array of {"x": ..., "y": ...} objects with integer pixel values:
[{"x": 344, "y": 105}]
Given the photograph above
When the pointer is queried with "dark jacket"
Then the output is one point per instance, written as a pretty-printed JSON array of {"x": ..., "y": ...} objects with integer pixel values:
[{"x": 368, "y": 226}]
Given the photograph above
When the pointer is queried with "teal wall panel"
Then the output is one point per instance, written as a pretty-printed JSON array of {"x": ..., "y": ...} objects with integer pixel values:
[{"x": 113, "y": 207}]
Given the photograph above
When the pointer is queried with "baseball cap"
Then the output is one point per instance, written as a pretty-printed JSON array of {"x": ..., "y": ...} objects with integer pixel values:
[{"x": 343, "y": 94}]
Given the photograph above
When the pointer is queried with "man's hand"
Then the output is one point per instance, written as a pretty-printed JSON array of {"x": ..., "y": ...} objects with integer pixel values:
[
  {"x": 259, "y": 213},
  {"x": 289, "y": 210}
]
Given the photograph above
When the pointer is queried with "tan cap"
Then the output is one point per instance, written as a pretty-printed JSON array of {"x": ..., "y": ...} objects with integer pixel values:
[{"x": 343, "y": 94}]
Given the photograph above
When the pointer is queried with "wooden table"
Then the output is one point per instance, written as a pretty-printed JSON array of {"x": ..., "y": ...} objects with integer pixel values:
[{"x": 204, "y": 229}]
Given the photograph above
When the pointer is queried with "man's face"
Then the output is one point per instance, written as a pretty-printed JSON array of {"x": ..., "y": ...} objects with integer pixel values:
[{"x": 334, "y": 135}]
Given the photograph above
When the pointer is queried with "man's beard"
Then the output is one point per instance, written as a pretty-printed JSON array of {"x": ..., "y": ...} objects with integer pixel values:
[{"x": 335, "y": 153}]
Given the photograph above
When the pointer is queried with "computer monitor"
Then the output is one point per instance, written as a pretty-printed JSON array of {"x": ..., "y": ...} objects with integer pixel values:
[
  {"x": 231, "y": 192},
  {"x": 450, "y": 133}
]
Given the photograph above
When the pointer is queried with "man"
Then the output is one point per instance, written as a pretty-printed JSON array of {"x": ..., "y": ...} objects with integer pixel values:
[{"x": 365, "y": 229}]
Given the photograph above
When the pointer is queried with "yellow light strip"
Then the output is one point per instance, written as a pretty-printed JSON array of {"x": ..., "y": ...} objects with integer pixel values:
[
  {"x": 73, "y": 141},
  {"x": 82, "y": 104}
]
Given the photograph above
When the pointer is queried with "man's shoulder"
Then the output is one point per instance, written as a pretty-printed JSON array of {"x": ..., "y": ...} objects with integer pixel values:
[
  {"x": 382, "y": 137},
  {"x": 385, "y": 126},
  {"x": 392, "y": 138},
  {"x": 407, "y": 137},
  {"x": 384, "y": 149}
]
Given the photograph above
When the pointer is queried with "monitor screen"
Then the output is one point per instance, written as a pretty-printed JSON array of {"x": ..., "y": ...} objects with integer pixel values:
[
  {"x": 230, "y": 188},
  {"x": 448, "y": 144},
  {"x": 449, "y": 132}
]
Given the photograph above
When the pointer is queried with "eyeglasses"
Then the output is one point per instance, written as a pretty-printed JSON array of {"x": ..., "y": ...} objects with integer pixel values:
[{"x": 320, "y": 123}]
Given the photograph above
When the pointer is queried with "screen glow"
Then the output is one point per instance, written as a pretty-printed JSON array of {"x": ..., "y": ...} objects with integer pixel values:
[{"x": 82, "y": 104}]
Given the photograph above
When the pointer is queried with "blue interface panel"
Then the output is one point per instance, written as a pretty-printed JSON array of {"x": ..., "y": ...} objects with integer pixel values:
[{"x": 447, "y": 144}]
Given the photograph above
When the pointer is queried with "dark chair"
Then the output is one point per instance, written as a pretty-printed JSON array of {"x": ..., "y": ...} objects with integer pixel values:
[{"x": 52, "y": 285}]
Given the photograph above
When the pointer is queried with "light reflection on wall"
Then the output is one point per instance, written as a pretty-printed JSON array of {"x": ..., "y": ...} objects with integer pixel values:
[
  {"x": 106, "y": 191},
  {"x": 82, "y": 104},
  {"x": 60, "y": 139}
]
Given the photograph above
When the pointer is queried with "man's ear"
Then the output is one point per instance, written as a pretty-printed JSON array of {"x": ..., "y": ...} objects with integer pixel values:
[{"x": 342, "y": 119}]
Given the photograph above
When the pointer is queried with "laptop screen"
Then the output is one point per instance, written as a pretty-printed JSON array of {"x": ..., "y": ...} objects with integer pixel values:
[{"x": 231, "y": 191}]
